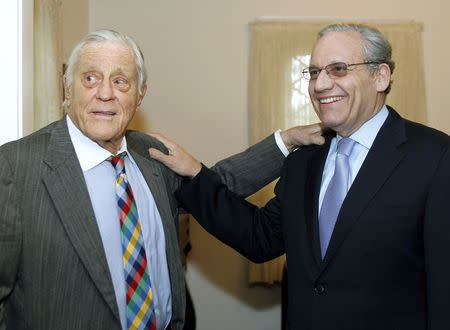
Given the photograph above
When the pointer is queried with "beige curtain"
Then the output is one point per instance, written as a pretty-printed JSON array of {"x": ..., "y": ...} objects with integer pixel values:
[
  {"x": 278, "y": 96},
  {"x": 47, "y": 62}
]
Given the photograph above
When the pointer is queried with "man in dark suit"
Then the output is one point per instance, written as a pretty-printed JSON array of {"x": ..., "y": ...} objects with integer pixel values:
[
  {"x": 365, "y": 219},
  {"x": 62, "y": 250}
]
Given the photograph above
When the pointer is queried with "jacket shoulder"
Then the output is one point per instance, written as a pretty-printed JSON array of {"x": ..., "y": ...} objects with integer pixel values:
[
  {"x": 426, "y": 134},
  {"x": 35, "y": 143},
  {"x": 141, "y": 142}
]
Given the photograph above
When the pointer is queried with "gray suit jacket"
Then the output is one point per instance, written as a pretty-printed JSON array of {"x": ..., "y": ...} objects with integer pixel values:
[{"x": 53, "y": 268}]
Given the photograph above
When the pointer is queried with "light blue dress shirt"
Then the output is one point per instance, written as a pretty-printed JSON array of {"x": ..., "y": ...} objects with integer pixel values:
[
  {"x": 100, "y": 179},
  {"x": 364, "y": 138}
]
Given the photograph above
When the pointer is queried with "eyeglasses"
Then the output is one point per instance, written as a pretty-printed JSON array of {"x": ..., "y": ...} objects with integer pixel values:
[{"x": 334, "y": 70}]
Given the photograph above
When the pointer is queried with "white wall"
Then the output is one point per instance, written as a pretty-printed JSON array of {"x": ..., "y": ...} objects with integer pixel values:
[
  {"x": 75, "y": 24},
  {"x": 197, "y": 55},
  {"x": 10, "y": 17},
  {"x": 16, "y": 89}
]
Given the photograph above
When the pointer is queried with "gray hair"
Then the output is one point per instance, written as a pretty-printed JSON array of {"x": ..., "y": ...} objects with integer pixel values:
[
  {"x": 103, "y": 36},
  {"x": 375, "y": 46}
]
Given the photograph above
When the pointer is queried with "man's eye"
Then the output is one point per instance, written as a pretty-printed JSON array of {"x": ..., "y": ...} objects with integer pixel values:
[
  {"x": 122, "y": 84},
  {"x": 338, "y": 67},
  {"x": 90, "y": 79},
  {"x": 120, "y": 81},
  {"x": 314, "y": 72}
]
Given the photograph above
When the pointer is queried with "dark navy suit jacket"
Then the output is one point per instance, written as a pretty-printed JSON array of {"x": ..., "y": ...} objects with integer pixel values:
[{"x": 388, "y": 261}]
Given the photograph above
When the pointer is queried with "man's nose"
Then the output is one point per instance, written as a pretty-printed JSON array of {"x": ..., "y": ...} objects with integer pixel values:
[
  {"x": 105, "y": 90},
  {"x": 323, "y": 81}
]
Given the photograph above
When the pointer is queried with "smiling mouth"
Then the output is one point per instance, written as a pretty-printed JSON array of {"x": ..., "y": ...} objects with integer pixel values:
[
  {"x": 104, "y": 113},
  {"x": 330, "y": 99}
]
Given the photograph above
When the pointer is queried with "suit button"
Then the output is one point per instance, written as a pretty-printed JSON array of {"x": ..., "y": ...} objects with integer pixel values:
[{"x": 320, "y": 289}]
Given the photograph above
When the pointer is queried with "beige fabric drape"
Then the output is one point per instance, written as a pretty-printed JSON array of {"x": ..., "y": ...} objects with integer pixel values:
[
  {"x": 47, "y": 62},
  {"x": 278, "y": 97}
]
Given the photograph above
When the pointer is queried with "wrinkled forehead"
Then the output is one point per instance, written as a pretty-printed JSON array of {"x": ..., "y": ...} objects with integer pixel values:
[
  {"x": 341, "y": 46},
  {"x": 107, "y": 54}
]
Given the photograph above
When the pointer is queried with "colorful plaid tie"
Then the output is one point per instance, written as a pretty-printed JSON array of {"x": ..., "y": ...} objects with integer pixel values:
[{"x": 140, "y": 309}]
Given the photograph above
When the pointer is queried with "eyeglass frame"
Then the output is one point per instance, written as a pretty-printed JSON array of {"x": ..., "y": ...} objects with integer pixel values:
[{"x": 307, "y": 75}]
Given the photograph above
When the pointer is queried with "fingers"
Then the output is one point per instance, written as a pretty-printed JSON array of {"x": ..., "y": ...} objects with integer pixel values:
[
  {"x": 314, "y": 128},
  {"x": 169, "y": 144},
  {"x": 317, "y": 134},
  {"x": 160, "y": 137},
  {"x": 178, "y": 159},
  {"x": 317, "y": 139},
  {"x": 159, "y": 156},
  {"x": 317, "y": 128},
  {"x": 303, "y": 135},
  {"x": 167, "y": 160}
]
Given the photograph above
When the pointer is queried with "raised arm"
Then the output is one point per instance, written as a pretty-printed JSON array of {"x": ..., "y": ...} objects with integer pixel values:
[{"x": 245, "y": 172}]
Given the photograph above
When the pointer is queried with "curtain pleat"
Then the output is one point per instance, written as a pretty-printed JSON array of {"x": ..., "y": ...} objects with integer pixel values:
[{"x": 48, "y": 90}]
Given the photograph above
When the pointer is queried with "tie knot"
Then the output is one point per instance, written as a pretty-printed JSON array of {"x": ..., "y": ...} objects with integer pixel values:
[
  {"x": 345, "y": 146},
  {"x": 118, "y": 162}
]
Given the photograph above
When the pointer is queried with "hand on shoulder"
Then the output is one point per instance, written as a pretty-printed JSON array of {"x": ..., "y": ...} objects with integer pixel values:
[{"x": 177, "y": 159}]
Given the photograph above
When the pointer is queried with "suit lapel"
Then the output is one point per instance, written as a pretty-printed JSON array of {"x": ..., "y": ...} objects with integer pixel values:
[
  {"x": 156, "y": 179},
  {"x": 151, "y": 170},
  {"x": 312, "y": 189},
  {"x": 66, "y": 186},
  {"x": 381, "y": 160}
]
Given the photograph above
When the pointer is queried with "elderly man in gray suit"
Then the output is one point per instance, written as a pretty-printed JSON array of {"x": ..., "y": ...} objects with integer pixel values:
[{"x": 80, "y": 249}]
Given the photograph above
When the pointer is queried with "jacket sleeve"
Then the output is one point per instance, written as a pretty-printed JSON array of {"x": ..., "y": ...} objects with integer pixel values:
[
  {"x": 256, "y": 233},
  {"x": 247, "y": 172}
]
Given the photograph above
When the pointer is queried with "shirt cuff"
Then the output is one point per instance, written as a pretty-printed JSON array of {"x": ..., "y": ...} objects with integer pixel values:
[{"x": 280, "y": 143}]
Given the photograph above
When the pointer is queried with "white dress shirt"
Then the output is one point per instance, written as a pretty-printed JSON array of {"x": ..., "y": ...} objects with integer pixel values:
[{"x": 364, "y": 138}]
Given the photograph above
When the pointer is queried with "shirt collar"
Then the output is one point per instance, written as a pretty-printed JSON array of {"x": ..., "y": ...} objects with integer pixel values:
[
  {"x": 367, "y": 133},
  {"x": 89, "y": 153}
]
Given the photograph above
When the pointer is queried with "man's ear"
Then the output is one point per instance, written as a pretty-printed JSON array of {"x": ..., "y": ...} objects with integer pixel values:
[
  {"x": 67, "y": 93},
  {"x": 383, "y": 77},
  {"x": 141, "y": 94}
]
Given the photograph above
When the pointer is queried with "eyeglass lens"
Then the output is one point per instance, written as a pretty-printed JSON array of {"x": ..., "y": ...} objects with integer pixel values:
[{"x": 335, "y": 70}]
